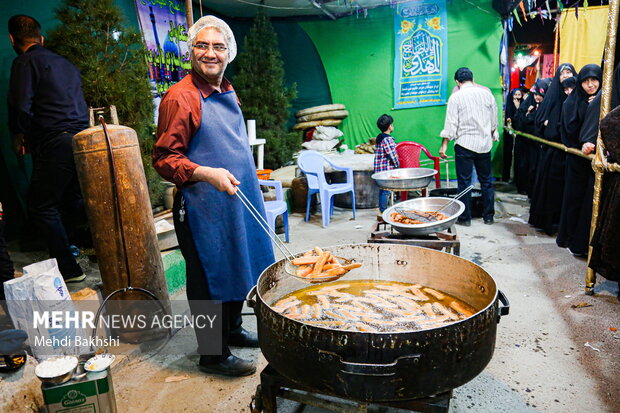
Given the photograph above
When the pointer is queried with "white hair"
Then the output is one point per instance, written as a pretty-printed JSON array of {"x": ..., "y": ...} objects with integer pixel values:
[{"x": 218, "y": 24}]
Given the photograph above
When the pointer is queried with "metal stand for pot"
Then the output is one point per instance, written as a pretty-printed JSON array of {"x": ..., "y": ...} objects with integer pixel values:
[
  {"x": 448, "y": 240},
  {"x": 273, "y": 385}
]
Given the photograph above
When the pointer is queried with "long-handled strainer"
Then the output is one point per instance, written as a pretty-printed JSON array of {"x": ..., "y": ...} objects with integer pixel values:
[
  {"x": 430, "y": 216},
  {"x": 289, "y": 267},
  {"x": 457, "y": 196}
]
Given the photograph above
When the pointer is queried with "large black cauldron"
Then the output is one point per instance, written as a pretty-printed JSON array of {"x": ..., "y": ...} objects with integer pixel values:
[{"x": 383, "y": 366}]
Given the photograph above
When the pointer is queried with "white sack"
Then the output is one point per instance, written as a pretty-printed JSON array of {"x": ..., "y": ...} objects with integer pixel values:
[
  {"x": 321, "y": 146},
  {"x": 326, "y": 133}
]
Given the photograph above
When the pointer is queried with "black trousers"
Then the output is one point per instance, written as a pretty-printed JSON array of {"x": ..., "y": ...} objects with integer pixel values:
[
  {"x": 465, "y": 161},
  {"x": 198, "y": 289},
  {"x": 54, "y": 187}
]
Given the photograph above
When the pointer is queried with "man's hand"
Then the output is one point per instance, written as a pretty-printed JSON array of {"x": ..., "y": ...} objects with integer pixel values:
[
  {"x": 220, "y": 178},
  {"x": 443, "y": 148},
  {"x": 530, "y": 108},
  {"x": 18, "y": 144},
  {"x": 588, "y": 148},
  {"x": 546, "y": 122}
]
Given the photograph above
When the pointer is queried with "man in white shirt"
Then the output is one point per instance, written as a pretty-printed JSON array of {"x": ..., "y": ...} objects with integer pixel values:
[{"x": 471, "y": 122}]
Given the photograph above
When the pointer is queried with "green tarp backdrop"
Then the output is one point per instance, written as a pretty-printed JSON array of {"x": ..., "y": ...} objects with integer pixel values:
[{"x": 358, "y": 56}]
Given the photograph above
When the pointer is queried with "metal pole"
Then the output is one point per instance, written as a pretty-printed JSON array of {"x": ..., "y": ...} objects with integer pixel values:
[
  {"x": 190, "y": 13},
  {"x": 598, "y": 163}
]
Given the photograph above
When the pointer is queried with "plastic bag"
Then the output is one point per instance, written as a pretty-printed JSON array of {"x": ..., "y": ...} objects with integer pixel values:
[{"x": 42, "y": 289}]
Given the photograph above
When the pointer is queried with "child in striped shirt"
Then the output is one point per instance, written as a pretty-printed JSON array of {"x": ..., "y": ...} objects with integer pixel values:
[{"x": 385, "y": 153}]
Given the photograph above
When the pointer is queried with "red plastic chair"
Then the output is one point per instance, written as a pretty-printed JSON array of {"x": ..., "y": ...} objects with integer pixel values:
[{"x": 409, "y": 157}]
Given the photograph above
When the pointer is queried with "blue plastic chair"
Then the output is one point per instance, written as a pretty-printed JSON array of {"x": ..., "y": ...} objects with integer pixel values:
[
  {"x": 277, "y": 207},
  {"x": 312, "y": 164}
]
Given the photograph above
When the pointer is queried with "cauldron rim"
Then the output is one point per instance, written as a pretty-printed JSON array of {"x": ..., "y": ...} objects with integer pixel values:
[{"x": 328, "y": 248}]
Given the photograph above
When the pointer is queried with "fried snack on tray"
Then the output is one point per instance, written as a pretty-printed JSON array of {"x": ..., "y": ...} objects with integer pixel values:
[
  {"x": 431, "y": 216},
  {"x": 318, "y": 264}
]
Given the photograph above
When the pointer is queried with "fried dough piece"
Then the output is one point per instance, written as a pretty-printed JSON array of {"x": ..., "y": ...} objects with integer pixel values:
[
  {"x": 318, "y": 267},
  {"x": 303, "y": 270},
  {"x": 434, "y": 293},
  {"x": 306, "y": 260},
  {"x": 460, "y": 309}
]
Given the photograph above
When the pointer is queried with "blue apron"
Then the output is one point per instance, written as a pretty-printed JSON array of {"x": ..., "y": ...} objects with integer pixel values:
[{"x": 232, "y": 247}]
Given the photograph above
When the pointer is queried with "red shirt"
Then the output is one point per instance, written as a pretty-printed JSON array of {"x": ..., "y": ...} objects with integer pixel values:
[{"x": 179, "y": 119}]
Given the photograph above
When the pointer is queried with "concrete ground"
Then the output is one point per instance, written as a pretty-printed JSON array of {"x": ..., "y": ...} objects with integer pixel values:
[{"x": 549, "y": 356}]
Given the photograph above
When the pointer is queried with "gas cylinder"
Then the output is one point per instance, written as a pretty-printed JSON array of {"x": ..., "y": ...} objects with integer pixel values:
[{"x": 92, "y": 161}]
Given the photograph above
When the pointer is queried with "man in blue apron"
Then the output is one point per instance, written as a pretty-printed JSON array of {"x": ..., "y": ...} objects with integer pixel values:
[{"x": 203, "y": 148}]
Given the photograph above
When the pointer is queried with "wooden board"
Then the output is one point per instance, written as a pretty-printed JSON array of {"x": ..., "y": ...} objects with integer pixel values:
[
  {"x": 312, "y": 124},
  {"x": 330, "y": 114},
  {"x": 322, "y": 108}
]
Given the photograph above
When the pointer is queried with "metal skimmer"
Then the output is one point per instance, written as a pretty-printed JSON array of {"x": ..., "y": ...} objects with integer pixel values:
[{"x": 289, "y": 267}]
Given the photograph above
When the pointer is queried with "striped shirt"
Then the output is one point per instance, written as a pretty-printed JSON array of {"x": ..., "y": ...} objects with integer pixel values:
[
  {"x": 386, "y": 157},
  {"x": 471, "y": 119}
]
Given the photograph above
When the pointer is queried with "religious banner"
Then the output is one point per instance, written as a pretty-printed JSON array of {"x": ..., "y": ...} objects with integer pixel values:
[
  {"x": 421, "y": 58},
  {"x": 163, "y": 24}
]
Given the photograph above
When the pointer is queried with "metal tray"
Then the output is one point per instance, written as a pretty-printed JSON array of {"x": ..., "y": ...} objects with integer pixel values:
[
  {"x": 426, "y": 204},
  {"x": 407, "y": 178}
]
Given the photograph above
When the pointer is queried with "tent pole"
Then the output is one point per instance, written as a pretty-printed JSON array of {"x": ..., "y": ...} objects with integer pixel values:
[
  {"x": 190, "y": 13},
  {"x": 555, "y": 44},
  {"x": 599, "y": 160}
]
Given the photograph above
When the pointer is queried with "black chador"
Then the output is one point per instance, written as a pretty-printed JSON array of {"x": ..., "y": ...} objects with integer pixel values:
[
  {"x": 573, "y": 232},
  {"x": 548, "y": 187},
  {"x": 526, "y": 151}
]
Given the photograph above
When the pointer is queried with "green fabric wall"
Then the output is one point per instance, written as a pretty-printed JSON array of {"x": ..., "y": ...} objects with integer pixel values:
[
  {"x": 358, "y": 55},
  {"x": 302, "y": 64}
]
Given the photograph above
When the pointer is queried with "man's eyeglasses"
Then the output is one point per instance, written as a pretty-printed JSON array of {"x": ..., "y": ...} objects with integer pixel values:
[{"x": 203, "y": 47}]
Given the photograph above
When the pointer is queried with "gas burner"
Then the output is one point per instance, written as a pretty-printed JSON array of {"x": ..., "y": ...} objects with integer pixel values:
[
  {"x": 273, "y": 385},
  {"x": 448, "y": 241}
]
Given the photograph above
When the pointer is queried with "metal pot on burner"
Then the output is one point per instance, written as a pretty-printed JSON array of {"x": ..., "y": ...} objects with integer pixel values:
[{"x": 388, "y": 366}]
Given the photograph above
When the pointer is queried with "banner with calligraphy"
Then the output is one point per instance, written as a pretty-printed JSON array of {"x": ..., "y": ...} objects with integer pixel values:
[
  {"x": 163, "y": 24},
  {"x": 421, "y": 58}
]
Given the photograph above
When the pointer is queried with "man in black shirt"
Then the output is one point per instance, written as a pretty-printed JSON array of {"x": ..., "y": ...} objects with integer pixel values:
[{"x": 46, "y": 108}]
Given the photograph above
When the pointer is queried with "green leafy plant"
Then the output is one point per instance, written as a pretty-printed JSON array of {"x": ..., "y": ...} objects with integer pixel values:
[
  {"x": 110, "y": 55},
  {"x": 259, "y": 81}
]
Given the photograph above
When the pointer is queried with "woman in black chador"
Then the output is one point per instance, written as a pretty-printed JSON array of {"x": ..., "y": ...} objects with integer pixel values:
[
  {"x": 579, "y": 180},
  {"x": 526, "y": 150},
  {"x": 512, "y": 105},
  {"x": 605, "y": 258},
  {"x": 549, "y": 184}
]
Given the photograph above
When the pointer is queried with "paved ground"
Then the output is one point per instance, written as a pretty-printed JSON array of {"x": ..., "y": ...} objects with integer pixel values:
[{"x": 541, "y": 363}]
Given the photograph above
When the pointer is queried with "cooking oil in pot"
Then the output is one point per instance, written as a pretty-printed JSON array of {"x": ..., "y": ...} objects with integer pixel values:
[{"x": 373, "y": 306}]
